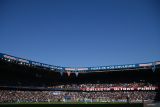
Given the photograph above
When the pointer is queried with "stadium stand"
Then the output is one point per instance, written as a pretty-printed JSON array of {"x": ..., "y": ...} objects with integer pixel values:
[{"x": 22, "y": 80}]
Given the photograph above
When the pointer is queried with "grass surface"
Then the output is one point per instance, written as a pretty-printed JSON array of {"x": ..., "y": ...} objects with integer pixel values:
[{"x": 71, "y": 104}]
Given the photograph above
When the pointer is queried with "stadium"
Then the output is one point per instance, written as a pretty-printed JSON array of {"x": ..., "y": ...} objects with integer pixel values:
[{"x": 24, "y": 81}]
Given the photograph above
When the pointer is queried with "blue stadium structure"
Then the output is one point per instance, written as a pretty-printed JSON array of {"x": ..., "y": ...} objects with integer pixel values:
[{"x": 26, "y": 62}]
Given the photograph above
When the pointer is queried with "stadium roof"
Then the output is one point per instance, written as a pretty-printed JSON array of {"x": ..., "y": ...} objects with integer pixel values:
[{"x": 77, "y": 69}]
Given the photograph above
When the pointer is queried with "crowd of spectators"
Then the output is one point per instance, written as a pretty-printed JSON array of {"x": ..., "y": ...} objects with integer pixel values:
[
  {"x": 105, "y": 85},
  {"x": 81, "y": 96},
  {"x": 7, "y": 96}
]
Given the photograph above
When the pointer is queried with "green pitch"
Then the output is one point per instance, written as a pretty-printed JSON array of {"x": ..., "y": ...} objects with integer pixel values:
[{"x": 74, "y": 104}]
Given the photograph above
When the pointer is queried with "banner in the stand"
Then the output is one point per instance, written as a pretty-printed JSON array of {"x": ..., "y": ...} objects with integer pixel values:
[
  {"x": 121, "y": 89},
  {"x": 68, "y": 73},
  {"x": 76, "y": 74},
  {"x": 61, "y": 73}
]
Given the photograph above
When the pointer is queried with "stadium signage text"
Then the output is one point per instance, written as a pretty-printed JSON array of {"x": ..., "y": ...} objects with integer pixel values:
[
  {"x": 145, "y": 65},
  {"x": 120, "y": 89},
  {"x": 15, "y": 59},
  {"x": 30, "y": 62},
  {"x": 114, "y": 67},
  {"x": 9, "y": 57},
  {"x": 36, "y": 63},
  {"x": 76, "y": 69},
  {"x": 23, "y": 60}
]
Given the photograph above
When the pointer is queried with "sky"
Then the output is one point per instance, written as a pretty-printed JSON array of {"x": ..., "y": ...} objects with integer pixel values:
[{"x": 81, "y": 33}]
